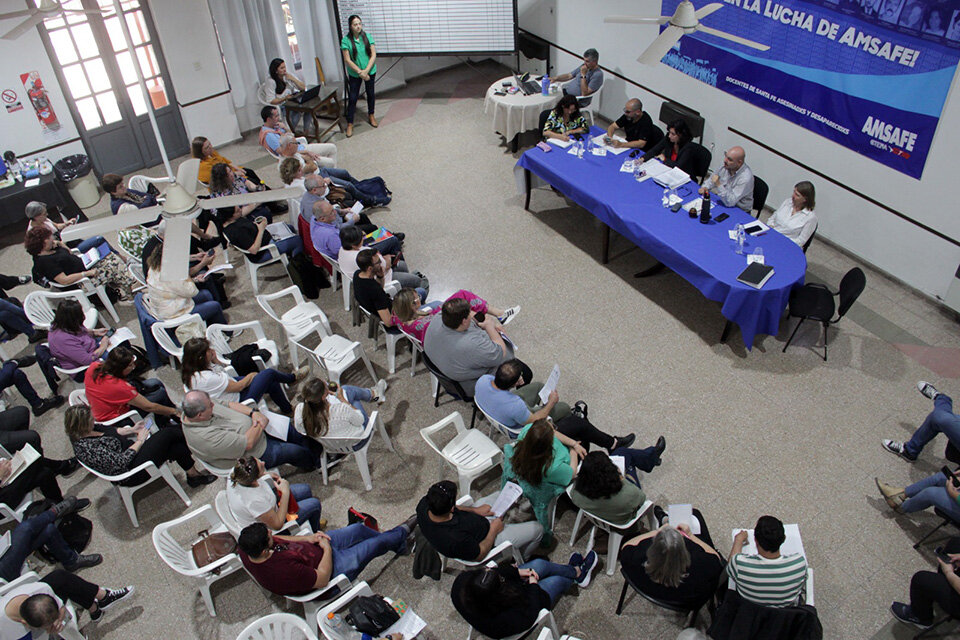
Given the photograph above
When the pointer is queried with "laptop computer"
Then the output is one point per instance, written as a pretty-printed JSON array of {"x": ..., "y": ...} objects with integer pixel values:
[
  {"x": 529, "y": 87},
  {"x": 306, "y": 95}
]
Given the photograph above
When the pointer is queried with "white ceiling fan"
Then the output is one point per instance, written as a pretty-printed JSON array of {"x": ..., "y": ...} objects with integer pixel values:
[
  {"x": 46, "y": 9},
  {"x": 179, "y": 208},
  {"x": 684, "y": 21}
]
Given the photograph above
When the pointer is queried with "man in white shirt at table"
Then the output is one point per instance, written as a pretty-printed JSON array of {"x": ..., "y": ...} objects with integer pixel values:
[{"x": 733, "y": 182}]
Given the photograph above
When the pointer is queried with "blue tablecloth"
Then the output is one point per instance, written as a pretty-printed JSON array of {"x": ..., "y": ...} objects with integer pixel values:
[{"x": 702, "y": 254}]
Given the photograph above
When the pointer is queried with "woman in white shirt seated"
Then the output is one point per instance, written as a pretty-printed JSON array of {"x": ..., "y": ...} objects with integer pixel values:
[
  {"x": 795, "y": 217},
  {"x": 169, "y": 299},
  {"x": 201, "y": 372},
  {"x": 279, "y": 86},
  {"x": 257, "y": 496},
  {"x": 338, "y": 413}
]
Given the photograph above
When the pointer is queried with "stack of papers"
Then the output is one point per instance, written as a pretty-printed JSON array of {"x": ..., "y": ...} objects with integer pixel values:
[
  {"x": 599, "y": 141},
  {"x": 279, "y": 230},
  {"x": 563, "y": 144},
  {"x": 793, "y": 545},
  {"x": 120, "y": 336},
  {"x": 510, "y": 493},
  {"x": 277, "y": 425},
  {"x": 672, "y": 178}
]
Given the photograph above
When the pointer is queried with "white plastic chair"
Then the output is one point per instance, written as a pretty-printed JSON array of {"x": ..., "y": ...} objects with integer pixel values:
[
  {"x": 510, "y": 432},
  {"x": 335, "y": 354},
  {"x": 277, "y": 626},
  {"x": 346, "y": 281},
  {"x": 252, "y": 267},
  {"x": 180, "y": 558},
  {"x": 89, "y": 289},
  {"x": 615, "y": 531},
  {"x": 40, "y": 306},
  {"x": 352, "y": 446},
  {"x": 547, "y": 634},
  {"x": 298, "y": 322},
  {"x": 79, "y": 396},
  {"x": 222, "y": 505},
  {"x": 14, "y": 513},
  {"x": 70, "y": 630},
  {"x": 160, "y": 332},
  {"x": 594, "y": 105},
  {"x": 67, "y": 375},
  {"x": 187, "y": 174},
  {"x": 135, "y": 269},
  {"x": 544, "y": 619},
  {"x": 293, "y": 212},
  {"x": 392, "y": 335},
  {"x": 218, "y": 340},
  {"x": 470, "y": 452},
  {"x": 502, "y": 550}
]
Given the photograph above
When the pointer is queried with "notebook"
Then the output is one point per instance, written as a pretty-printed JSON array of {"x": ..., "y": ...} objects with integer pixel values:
[
  {"x": 94, "y": 255},
  {"x": 374, "y": 237},
  {"x": 756, "y": 275}
]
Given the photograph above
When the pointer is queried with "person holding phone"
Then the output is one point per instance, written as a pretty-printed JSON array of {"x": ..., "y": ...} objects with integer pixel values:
[
  {"x": 927, "y": 587},
  {"x": 940, "y": 490},
  {"x": 113, "y": 450},
  {"x": 255, "y": 495}
]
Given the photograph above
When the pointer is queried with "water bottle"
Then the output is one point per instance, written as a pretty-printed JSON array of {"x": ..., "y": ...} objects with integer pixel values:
[
  {"x": 758, "y": 255},
  {"x": 545, "y": 85},
  {"x": 580, "y": 149},
  {"x": 705, "y": 209},
  {"x": 335, "y": 622},
  {"x": 741, "y": 236},
  {"x": 636, "y": 170},
  {"x": 589, "y": 145},
  {"x": 666, "y": 197}
]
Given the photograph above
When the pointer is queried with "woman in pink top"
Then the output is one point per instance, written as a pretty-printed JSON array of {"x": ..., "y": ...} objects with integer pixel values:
[{"x": 412, "y": 318}]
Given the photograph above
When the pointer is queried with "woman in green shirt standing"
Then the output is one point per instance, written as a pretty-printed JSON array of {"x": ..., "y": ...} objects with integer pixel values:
[{"x": 360, "y": 56}]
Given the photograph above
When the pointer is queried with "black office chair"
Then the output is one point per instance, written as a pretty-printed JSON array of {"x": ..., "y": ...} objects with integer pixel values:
[
  {"x": 806, "y": 245},
  {"x": 543, "y": 121},
  {"x": 760, "y": 192},
  {"x": 701, "y": 161},
  {"x": 815, "y": 302},
  {"x": 656, "y": 135},
  {"x": 450, "y": 386}
]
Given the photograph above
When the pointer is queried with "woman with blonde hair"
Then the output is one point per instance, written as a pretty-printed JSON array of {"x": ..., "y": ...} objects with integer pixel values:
[
  {"x": 329, "y": 410},
  {"x": 413, "y": 318},
  {"x": 257, "y": 496},
  {"x": 795, "y": 217}
]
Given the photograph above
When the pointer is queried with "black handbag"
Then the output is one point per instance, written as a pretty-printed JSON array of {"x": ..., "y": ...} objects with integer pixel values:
[{"x": 371, "y": 614}]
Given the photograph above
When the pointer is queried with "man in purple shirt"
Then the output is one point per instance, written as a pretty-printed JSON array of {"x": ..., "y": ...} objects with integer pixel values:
[{"x": 323, "y": 229}]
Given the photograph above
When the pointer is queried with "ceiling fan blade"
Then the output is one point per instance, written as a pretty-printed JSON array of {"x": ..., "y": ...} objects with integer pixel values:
[
  {"x": 16, "y": 14},
  {"x": 24, "y": 26},
  {"x": 175, "y": 265},
  {"x": 250, "y": 198},
  {"x": 109, "y": 223},
  {"x": 733, "y": 38},
  {"x": 659, "y": 47},
  {"x": 636, "y": 20},
  {"x": 707, "y": 9}
]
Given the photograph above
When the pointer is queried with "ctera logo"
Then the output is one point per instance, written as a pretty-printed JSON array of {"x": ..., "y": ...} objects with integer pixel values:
[{"x": 889, "y": 137}]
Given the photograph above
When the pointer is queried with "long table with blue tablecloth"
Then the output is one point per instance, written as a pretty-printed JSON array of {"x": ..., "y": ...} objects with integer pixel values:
[{"x": 703, "y": 254}]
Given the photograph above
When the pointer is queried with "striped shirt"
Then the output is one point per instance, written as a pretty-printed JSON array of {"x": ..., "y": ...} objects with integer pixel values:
[{"x": 775, "y": 582}]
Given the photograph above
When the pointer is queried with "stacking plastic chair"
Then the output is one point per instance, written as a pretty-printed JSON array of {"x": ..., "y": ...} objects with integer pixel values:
[
  {"x": 340, "y": 606},
  {"x": 300, "y": 321},
  {"x": 222, "y": 505},
  {"x": 142, "y": 183},
  {"x": 218, "y": 340},
  {"x": 40, "y": 306},
  {"x": 392, "y": 335},
  {"x": 323, "y": 261},
  {"x": 79, "y": 396},
  {"x": 180, "y": 558},
  {"x": 615, "y": 531},
  {"x": 502, "y": 550},
  {"x": 88, "y": 288},
  {"x": 161, "y": 333},
  {"x": 356, "y": 446},
  {"x": 69, "y": 375},
  {"x": 470, "y": 452},
  {"x": 510, "y": 432},
  {"x": 135, "y": 269},
  {"x": 277, "y": 626},
  {"x": 254, "y": 264},
  {"x": 593, "y": 106},
  {"x": 544, "y": 619},
  {"x": 814, "y": 301},
  {"x": 70, "y": 630}
]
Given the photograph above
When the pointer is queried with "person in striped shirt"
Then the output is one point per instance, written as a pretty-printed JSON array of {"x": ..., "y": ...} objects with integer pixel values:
[{"x": 768, "y": 577}]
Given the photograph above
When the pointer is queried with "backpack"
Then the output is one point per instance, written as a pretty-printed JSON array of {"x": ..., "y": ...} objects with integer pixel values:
[
  {"x": 371, "y": 614},
  {"x": 308, "y": 278},
  {"x": 75, "y": 529}
]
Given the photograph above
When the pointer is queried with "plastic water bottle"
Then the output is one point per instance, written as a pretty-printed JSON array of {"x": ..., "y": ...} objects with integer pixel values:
[
  {"x": 335, "y": 622},
  {"x": 741, "y": 237},
  {"x": 545, "y": 85},
  {"x": 589, "y": 144},
  {"x": 580, "y": 149},
  {"x": 666, "y": 197},
  {"x": 636, "y": 170}
]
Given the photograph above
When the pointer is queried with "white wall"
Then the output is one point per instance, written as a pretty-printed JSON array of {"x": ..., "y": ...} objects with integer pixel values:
[{"x": 879, "y": 237}]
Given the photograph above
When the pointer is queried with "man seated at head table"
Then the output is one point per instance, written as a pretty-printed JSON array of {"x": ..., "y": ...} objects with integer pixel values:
[
  {"x": 636, "y": 124},
  {"x": 583, "y": 80},
  {"x": 733, "y": 182}
]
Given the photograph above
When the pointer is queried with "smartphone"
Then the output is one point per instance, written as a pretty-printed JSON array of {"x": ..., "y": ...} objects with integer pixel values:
[
  {"x": 945, "y": 471},
  {"x": 148, "y": 423},
  {"x": 676, "y": 207},
  {"x": 211, "y": 252},
  {"x": 479, "y": 316},
  {"x": 722, "y": 217},
  {"x": 940, "y": 553},
  {"x": 111, "y": 331}
]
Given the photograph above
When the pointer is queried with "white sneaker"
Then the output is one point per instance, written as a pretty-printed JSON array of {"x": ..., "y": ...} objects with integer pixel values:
[
  {"x": 509, "y": 315},
  {"x": 927, "y": 389},
  {"x": 381, "y": 390}
]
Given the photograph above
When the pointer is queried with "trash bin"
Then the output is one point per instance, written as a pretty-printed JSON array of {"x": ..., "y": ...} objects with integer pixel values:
[{"x": 75, "y": 172}]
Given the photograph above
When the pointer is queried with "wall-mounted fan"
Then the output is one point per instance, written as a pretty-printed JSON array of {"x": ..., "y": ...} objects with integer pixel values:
[
  {"x": 46, "y": 9},
  {"x": 685, "y": 20}
]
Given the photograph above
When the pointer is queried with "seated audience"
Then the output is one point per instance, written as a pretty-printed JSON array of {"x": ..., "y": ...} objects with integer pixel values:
[
  {"x": 220, "y": 434},
  {"x": 41, "y": 475},
  {"x": 41, "y": 531},
  {"x": 676, "y": 149},
  {"x": 169, "y": 299},
  {"x": 469, "y": 533},
  {"x": 201, "y": 371},
  {"x": 122, "y": 198},
  {"x": 795, "y": 217},
  {"x": 71, "y": 343},
  {"x": 13, "y": 319},
  {"x": 767, "y": 578},
  {"x": 257, "y": 496},
  {"x": 462, "y": 348},
  {"x": 109, "y": 449},
  {"x": 323, "y": 154},
  {"x": 252, "y": 236},
  {"x": 408, "y": 313},
  {"x": 292, "y": 175},
  {"x": 294, "y": 565},
  {"x": 585, "y": 79},
  {"x": 337, "y": 412},
  {"x": 636, "y": 124},
  {"x": 38, "y": 606},
  {"x": 53, "y": 261},
  {"x": 39, "y": 218},
  {"x": 733, "y": 182},
  {"x": 941, "y": 420},
  {"x": 12, "y": 376},
  {"x": 674, "y": 565},
  {"x": 394, "y": 266},
  {"x": 317, "y": 189},
  {"x": 928, "y": 587},
  {"x": 111, "y": 394},
  {"x": 602, "y": 490},
  {"x": 224, "y": 181},
  {"x": 203, "y": 150},
  {"x": 506, "y": 600},
  {"x": 933, "y": 491},
  {"x": 202, "y": 255},
  {"x": 368, "y": 283},
  {"x": 565, "y": 120}
]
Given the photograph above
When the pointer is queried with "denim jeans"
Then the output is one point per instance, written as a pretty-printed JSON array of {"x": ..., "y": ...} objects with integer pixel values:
[
  {"x": 353, "y": 94},
  {"x": 291, "y": 246},
  {"x": 294, "y": 451},
  {"x": 32, "y": 534},
  {"x": 353, "y": 187},
  {"x": 310, "y": 507},
  {"x": 90, "y": 243},
  {"x": 941, "y": 420},
  {"x": 356, "y": 545},
  {"x": 554, "y": 578},
  {"x": 13, "y": 318},
  {"x": 10, "y": 374},
  {"x": 930, "y": 492},
  {"x": 643, "y": 459},
  {"x": 356, "y": 396},
  {"x": 268, "y": 381},
  {"x": 208, "y": 308}
]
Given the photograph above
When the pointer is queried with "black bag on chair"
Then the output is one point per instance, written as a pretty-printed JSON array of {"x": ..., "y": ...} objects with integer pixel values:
[
  {"x": 308, "y": 278},
  {"x": 371, "y": 614}
]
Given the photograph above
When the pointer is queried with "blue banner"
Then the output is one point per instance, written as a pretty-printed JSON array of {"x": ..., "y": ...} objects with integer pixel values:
[{"x": 872, "y": 76}]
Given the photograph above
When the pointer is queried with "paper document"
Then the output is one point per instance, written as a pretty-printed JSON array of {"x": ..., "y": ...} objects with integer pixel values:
[
  {"x": 620, "y": 463},
  {"x": 409, "y": 624},
  {"x": 627, "y": 166},
  {"x": 563, "y": 144},
  {"x": 696, "y": 203},
  {"x": 508, "y": 495},
  {"x": 672, "y": 178},
  {"x": 791, "y": 546},
  {"x": 357, "y": 207},
  {"x": 599, "y": 141},
  {"x": 683, "y": 514},
  {"x": 20, "y": 461},
  {"x": 219, "y": 267},
  {"x": 279, "y": 230},
  {"x": 550, "y": 384},
  {"x": 123, "y": 334},
  {"x": 277, "y": 425},
  {"x": 751, "y": 258},
  {"x": 4, "y": 542},
  {"x": 32, "y": 182},
  {"x": 599, "y": 150},
  {"x": 654, "y": 167}
]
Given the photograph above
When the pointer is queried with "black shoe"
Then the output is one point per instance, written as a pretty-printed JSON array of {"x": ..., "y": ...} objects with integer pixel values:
[
  {"x": 24, "y": 279},
  {"x": 201, "y": 480},
  {"x": 580, "y": 409},
  {"x": 660, "y": 447},
  {"x": 625, "y": 441},
  {"x": 113, "y": 596},
  {"x": 68, "y": 467},
  {"x": 25, "y": 361},
  {"x": 70, "y": 504},
  {"x": 659, "y": 514},
  {"x": 410, "y": 525},
  {"x": 84, "y": 560},
  {"x": 39, "y": 335},
  {"x": 46, "y": 404},
  {"x": 400, "y": 236},
  {"x": 904, "y": 613}
]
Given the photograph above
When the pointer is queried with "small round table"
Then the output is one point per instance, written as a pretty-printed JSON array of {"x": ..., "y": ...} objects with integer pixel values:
[{"x": 515, "y": 113}]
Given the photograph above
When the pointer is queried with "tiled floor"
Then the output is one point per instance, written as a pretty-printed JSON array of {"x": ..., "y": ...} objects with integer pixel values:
[{"x": 748, "y": 433}]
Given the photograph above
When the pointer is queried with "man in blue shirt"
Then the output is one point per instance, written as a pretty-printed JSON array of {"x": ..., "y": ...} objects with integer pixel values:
[
  {"x": 585, "y": 79},
  {"x": 323, "y": 229},
  {"x": 514, "y": 406}
]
